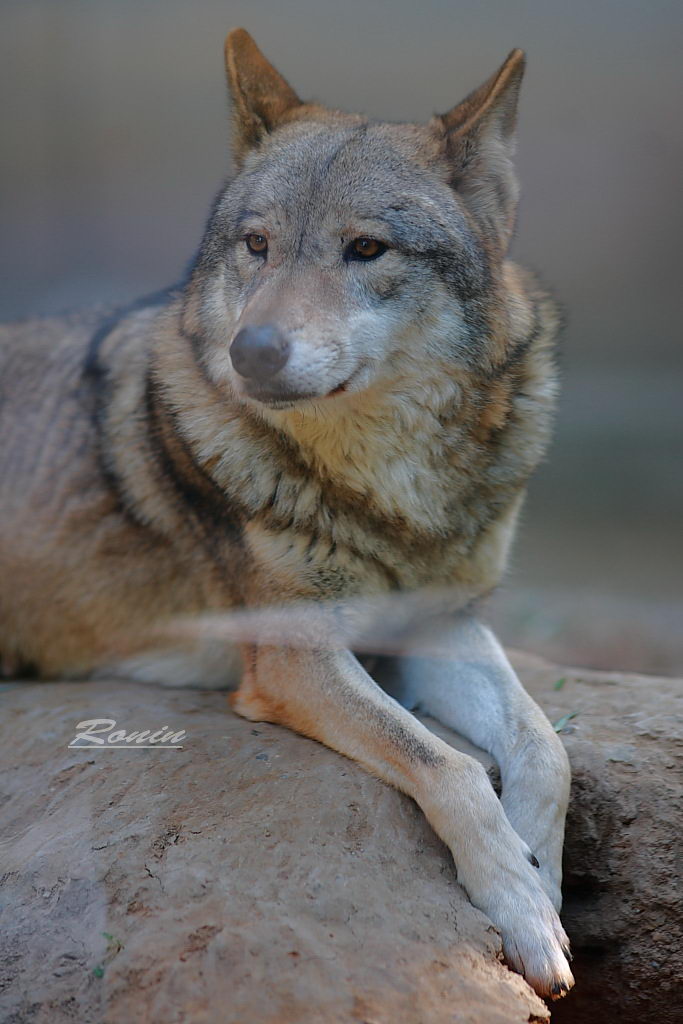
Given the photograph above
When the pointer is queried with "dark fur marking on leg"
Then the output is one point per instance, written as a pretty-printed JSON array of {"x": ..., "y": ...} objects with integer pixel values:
[{"x": 412, "y": 747}]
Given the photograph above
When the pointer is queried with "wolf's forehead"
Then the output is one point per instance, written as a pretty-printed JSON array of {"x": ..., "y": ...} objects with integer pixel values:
[{"x": 357, "y": 169}]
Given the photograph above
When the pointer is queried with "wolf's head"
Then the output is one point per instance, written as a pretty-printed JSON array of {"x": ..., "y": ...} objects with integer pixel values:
[{"x": 348, "y": 254}]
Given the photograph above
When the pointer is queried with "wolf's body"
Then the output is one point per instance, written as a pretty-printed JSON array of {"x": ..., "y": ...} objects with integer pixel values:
[{"x": 144, "y": 478}]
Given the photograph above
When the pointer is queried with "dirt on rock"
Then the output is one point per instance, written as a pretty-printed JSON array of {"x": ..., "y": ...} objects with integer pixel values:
[{"x": 255, "y": 877}]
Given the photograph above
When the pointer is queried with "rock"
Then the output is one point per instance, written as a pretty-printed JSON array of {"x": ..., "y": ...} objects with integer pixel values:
[
  {"x": 252, "y": 877},
  {"x": 623, "y": 863},
  {"x": 256, "y": 877}
]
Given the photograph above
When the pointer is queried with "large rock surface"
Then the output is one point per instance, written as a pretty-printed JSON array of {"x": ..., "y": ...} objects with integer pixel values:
[{"x": 256, "y": 877}]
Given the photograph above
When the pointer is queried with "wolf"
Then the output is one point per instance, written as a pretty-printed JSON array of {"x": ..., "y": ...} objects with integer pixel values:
[{"x": 344, "y": 399}]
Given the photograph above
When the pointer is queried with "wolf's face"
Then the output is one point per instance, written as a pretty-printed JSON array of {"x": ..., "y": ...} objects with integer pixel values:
[{"x": 345, "y": 253}]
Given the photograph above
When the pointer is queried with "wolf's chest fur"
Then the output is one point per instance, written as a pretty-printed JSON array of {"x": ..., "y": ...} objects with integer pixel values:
[
  {"x": 418, "y": 486},
  {"x": 377, "y": 500}
]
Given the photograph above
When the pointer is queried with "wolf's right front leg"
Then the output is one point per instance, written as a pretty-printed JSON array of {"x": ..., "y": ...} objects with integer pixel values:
[{"x": 328, "y": 695}]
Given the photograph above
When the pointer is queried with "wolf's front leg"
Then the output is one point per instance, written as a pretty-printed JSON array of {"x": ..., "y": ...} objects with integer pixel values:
[
  {"x": 471, "y": 687},
  {"x": 328, "y": 695}
]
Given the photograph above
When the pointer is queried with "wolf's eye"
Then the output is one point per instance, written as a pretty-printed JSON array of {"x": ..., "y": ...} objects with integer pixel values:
[
  {"x": 257, "y": 244},
  {"x": 365, "y": 249}
]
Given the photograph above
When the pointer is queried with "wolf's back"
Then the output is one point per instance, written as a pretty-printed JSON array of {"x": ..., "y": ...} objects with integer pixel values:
[{"x": 44, "y": 414}]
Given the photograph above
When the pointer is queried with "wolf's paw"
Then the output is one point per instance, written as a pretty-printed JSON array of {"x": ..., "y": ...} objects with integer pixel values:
[
  {"x": 536, "y": 946},
  {"x": 515, "y": 899}
]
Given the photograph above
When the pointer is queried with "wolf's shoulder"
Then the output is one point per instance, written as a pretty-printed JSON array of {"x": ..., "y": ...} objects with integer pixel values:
[{"x": 23, "y": 342}]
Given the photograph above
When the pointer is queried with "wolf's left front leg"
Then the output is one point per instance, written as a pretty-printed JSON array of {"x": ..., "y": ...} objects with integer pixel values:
[
  {"x": 471, "y": 687},
  {"x": 329, "y": 696}
]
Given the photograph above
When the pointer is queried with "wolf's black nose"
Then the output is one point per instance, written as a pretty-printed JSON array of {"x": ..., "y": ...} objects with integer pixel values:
[{"x": 259, "y": 352}]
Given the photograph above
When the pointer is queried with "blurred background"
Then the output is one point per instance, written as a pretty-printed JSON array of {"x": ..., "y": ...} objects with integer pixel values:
[{"x": 115, "y": 138}]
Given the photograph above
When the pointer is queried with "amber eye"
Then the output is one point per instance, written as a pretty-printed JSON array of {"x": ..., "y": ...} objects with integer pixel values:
[
  {"x": 257, "y": 244},
  {"x": 365, "y": 249}
]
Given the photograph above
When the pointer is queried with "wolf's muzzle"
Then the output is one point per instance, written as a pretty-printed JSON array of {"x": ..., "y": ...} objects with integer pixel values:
[{"x": 257, "y": 353}]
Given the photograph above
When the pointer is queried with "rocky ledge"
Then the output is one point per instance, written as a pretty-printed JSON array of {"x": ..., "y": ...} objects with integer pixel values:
[{"x": 251, "y": 876}]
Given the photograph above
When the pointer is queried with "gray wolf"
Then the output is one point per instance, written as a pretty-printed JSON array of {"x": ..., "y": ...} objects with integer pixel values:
[{"x": 345, "y": 398}]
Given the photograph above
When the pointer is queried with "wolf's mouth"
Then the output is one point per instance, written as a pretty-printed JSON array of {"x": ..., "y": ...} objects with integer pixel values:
[
  {"x": 286, "y": 399},
  {"x": 344, "y": 386},
  {"x": 339, "y": 388}
]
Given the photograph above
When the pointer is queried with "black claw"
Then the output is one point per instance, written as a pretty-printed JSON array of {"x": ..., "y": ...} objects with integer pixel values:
[
  {"x": 534, "y": 862},
  {"x": 559, "y": 989}
]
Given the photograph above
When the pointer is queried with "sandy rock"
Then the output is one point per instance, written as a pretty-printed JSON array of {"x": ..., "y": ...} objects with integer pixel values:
[
  {"x": 252, "y": 877},
  {"x": 623, "y": 863},
  {"x": 255, "y": 876}
]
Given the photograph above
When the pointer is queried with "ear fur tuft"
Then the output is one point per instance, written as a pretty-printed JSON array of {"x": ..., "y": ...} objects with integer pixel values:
[
  {"x": 479, "y": 138},
  {"x": 261, "y": 96}
]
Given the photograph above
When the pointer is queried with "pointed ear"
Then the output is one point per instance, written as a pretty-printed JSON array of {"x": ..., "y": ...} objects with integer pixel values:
[
  {"x": 260, "y": 95},
  {"x": 479, "y": 136}
]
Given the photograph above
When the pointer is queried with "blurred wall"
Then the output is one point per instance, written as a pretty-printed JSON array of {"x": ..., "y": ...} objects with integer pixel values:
[{"x": 115, "y": 136}]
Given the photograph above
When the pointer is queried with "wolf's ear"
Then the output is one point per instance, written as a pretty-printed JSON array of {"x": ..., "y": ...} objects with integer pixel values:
[
  {"x": 479, "y": 135},
  {"x": 260, "y": 95}
]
